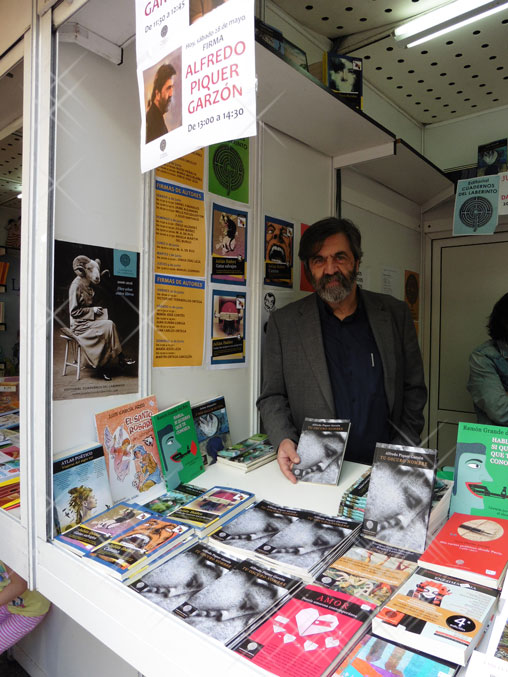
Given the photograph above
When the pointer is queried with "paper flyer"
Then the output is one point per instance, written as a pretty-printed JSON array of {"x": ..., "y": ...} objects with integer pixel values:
[
  {"x": 229, "y": 245},
  {"x": 196, "y": 75},
  {"x": 228, "y": 170},
  {"x": 476, "y": 206},
  {"x": 503, "y": 193},
  {"x": 279, "y": 238},
  {"x": 188, "y": 169},
  {"x": 180, "y": 232},
  {"x": 178, "y": 321},
  {"x": 227, "y": 341}
]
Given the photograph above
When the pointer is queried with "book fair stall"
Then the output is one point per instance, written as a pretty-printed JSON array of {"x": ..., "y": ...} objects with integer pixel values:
[{"x": 139, "y": 492}]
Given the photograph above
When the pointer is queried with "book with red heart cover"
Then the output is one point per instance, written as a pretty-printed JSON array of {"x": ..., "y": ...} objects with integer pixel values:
[{"x": 309, "y": 634}]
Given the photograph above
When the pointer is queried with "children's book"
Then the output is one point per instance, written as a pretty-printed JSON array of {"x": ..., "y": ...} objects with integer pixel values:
[
  {"x": 103, "y": 527},
  {"x": 9, "y": 472},
  {"x": 475, "y": 549},
  {"x": 248, "y": 454},
  {"x": 321, "y": 449},
  {"x": 80, "y": 486},
  {"x": 147, "y": 540},
  {"x": 132, "y": 459},
  {"x": 309, "y": 634},
  {"x": 183, "y": 576},
  {"x": 480, "y": 484},
  {"x": 437, "y": 614},
  {"x": 9, "y": 420},
  {"x": 210, "y": 510},
  {"x": 400, "y": 495},
  {"x": 231, "y": 604},
  {"x": 177, "y": 442},
  {"x": 212, "y": 427},
  {"x": 373, "y": 656}
]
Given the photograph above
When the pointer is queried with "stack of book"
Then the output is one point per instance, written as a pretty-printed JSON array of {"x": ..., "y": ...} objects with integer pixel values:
[
  {"x": 248, "y": 454},
  {"x": 126, "y": 540},
  {"x": 9, "y": 477},
  {"x": 172, "y": 500},
  {"x": 354, "y": 499},
  {"x": 214, "y": 507}
]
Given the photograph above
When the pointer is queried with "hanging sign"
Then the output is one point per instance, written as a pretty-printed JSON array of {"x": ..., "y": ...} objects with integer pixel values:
[{"x": 196, "y": 75}]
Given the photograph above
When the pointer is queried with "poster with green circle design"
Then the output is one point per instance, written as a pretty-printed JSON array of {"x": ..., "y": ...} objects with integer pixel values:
[{"x": 228, "y": 169}]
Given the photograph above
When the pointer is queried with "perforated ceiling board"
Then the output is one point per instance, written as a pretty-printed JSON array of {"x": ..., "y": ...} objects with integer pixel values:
[{"x": 461, "y": 73}]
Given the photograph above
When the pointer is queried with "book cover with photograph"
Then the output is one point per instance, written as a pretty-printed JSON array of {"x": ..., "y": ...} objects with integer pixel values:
[
  {"x": 132, "y": 458},
  {"x": 177, "y": 442},
  {"x": 321, "y": 449},
  {"x": 343, "y": 74},
  {"x": 80, "y": 486},
  {"x": 400, "y": 495},
  {"x": 212, "y": 427},
  {"x": 492, "y": 157}
]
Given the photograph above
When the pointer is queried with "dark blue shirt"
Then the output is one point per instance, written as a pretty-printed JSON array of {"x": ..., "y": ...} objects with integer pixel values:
[{"x": 356, "y": 375}]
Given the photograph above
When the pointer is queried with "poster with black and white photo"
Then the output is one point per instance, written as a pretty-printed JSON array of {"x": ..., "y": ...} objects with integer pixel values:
[
  {"x": 95, "y": 321},
  {"x": 196, "y": 75}
]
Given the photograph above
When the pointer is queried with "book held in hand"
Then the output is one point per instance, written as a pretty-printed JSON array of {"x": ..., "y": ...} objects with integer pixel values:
[
  {"x": 321, "y": 450},
  {"x": 472, "y": 548},
  {"x": 400, "y": 496},
  {"x": 438, "y": 614}
]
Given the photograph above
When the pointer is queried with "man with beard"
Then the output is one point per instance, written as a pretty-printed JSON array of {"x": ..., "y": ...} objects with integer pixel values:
[
  {"x": 341, "y": 352},
  {"x": 162, "y": 93}
]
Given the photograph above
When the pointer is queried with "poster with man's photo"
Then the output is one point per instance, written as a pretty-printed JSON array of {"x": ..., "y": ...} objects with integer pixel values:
[
  {"x": 279, "y": 238},
  {"x": 95, "y": 321},
  {"x": 196, "y": 75},
  {"x": 227, "y": 342},
  {"x": 229, "y": 245}
]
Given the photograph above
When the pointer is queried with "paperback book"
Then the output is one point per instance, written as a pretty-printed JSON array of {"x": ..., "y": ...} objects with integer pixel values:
[
  {"x": 179, "y": 579},
  {"x": 475, "y": 549},
  {"x": 400, "y": 495},
  {"x": 251, "y": 528},
  {"x": 173, "y": 499},
  {"x": 355, "y": 497},
  {"x": 233, "y": 602},
  {"x": 210, "y": 510},
  {"x": 80, "y": 486},
  {"x": 132, "y": 460},
  {"x": 177, "y": 442},
  {"x": 309, "y": 634},
  {"x": 480, "y": 478},
  {"x": 321, "y": 449},
  {"x": 492, "y": 158},
  {"x": 248, "y": 454},
  {"x": 438, "y": 614},
  {"x": 107, "y": 525},
  {"x": 343, "y": 74},
  {"x": 212, "y": 427},
  {"x": 373, "y": 656}
]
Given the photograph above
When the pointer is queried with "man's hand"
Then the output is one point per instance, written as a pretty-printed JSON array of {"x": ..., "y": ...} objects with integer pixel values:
[{"x": 287, "y": 457}]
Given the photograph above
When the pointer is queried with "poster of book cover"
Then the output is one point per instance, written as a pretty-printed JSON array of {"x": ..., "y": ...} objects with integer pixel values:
[
  {"x": 480, "y": 480},
  {"x": 229, "y": 245},
  {"x": 279, "y": 238},
  {"x": 228, "y": 170},
  {"x": 492, "y": 158},
  {"x": 228, "y": 328},
  {"x": 196, "y": 75},
  {"x": 95, "y": 321},
  {"x": 476, "y": 205},
  {"x": 343, "y": 74}
]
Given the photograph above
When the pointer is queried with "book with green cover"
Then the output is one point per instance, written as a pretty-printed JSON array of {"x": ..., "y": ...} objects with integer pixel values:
[
  {"x": 177, "y": 441},
  {"x": 481, "y": 479}
]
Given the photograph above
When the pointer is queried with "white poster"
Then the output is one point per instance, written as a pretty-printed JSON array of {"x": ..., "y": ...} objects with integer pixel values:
[{"x": 196, "y": 75}]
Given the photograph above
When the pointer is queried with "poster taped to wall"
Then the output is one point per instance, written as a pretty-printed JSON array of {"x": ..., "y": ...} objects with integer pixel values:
[
  {"x": 196, "y": 75},
  {"x": 95, "y": 322},
  {"x": 229, "y": 245},
  {"x": 279, "y": 238},
  {"x": 188, "y": 170},
  {"x": 476, "y": 204},
  {"x": 228, "y": 320},
  {"x": 228, "y": 169}
]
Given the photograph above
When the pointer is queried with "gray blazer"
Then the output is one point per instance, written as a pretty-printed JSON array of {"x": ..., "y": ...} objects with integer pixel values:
[{"x": 295, "y": 381}]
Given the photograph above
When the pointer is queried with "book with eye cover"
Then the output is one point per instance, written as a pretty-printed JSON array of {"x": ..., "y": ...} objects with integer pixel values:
[
  {"x": 400, "y": 496},
  {"x": 308, "y": 635},
  {"x": 321, "y": 449},
  {"x": 437, "y": 614},
  {"x": 251, "y": 528},
  {"x": 475, "y": 549},
  {"x": 183, "y": 576},
  {"x": 306, "y": 546},
  {"x": 373, "y": 656},
  {"x": 232, "y": 603}
]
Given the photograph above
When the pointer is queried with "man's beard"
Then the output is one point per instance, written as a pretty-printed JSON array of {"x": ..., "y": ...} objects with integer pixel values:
[{"x": 336, "y": 293}]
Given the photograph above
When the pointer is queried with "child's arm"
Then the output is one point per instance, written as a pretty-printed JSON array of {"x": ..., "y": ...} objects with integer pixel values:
[{"x": 15, "y": 588}]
